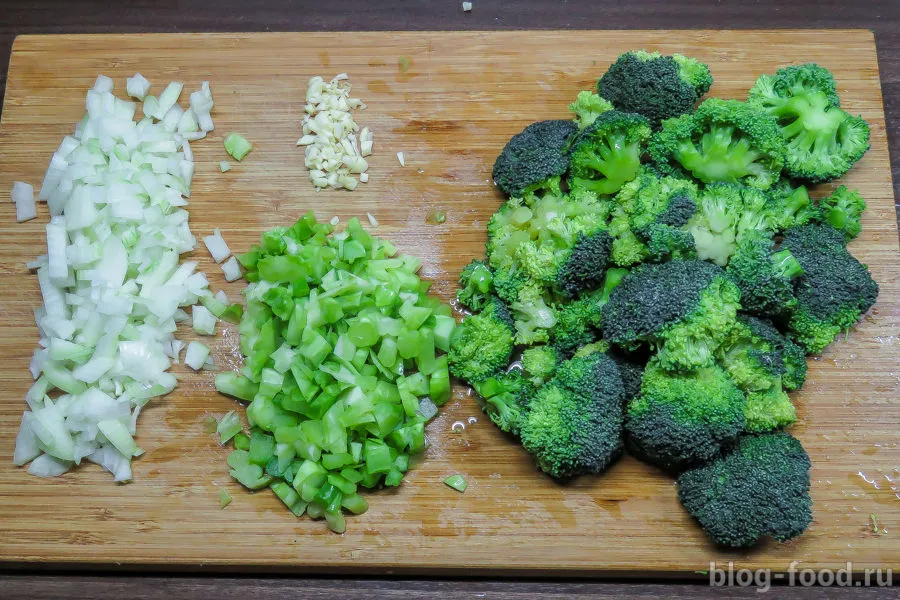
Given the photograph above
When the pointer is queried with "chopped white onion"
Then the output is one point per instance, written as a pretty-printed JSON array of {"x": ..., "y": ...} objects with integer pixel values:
[
  {"x": 232, "y": 269},
  {"x": 196, "y": 355},
  {"x": 137, "y": 86},
  {"x": 402, "y": 159},
  {"x": 111, "y": 282},
  {"x": 372, "y": 220},
  {"x": 23, "y": 195},
  {"x": 203, "y": 320},
  {"x": 217, "y": 247}
]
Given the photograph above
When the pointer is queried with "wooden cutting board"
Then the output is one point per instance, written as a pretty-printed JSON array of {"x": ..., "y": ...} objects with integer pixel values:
[{"x": 462, "y": 97}]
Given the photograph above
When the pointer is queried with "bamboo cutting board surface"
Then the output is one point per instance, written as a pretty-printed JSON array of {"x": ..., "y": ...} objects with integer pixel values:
[{"x": 462, "y": 97}]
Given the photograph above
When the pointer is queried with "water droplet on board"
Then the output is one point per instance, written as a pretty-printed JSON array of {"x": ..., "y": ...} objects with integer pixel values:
[{"x": 458, "y": 427}]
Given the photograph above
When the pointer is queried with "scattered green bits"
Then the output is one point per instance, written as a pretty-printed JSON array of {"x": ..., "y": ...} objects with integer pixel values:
[
  {"x": 343, "y": 347},
  {"x": 404, "y": 64},
  {"x": 436, "y": 217},
  {"x": 457, "y": 482},
  {"x": 224, "y": 498},
  {"x": 224, "y": 165},
  {"x": 237, "y": 146},
  {"x": 228, "y": 427}
]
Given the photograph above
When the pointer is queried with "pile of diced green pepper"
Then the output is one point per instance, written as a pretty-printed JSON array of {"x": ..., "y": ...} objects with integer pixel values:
[{"x": 342, "y": 344}]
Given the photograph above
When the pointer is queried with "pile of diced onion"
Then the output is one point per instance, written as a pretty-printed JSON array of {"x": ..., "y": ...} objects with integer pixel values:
[
  {"x": 112, "y": 284},
  {"x": 335, "y": 154}
]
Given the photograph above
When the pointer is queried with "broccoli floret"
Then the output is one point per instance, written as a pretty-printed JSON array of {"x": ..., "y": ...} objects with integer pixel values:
[
  {"x": 539, "y": 363},
  {"x": 534, "y": 157},
  {"x": 482, "y": 344},
  {"x": 685, "y": 308},
  {"x": 768, "y": 410},
  {"x": 792, "y": 206},
  {"x": 542, "y": 247},
  {"x": 574, "y": 422},
  {"x": 475, "y": 285},
  {"x": 578, "y": 322},
  {"x": 506, "y": 399},
  {"x": 756, "y": 354},
  {"x": 764, "y": 276},
  {"x": 823, "y": 141},
  {"x": 724, "y": 140},
  {"x": 587, "y": 107},
  {"x": 834, "y": 290},
  {"x": 725, "y": 212},
  {"x": 759, "y": 489},
  {"x": 508, "y": 282},
  {"x": 843, "y": 210},
  {"x": 607, "y": 154},
  {"x": 584, "y": 264},
  {"x": 684, "y": 419},
  {"x": 694, "y": 72},
  {"x": 655, "y": 86},
  {"x": 648, "y": 210},
  {"x": 759, "y": 359},
  {"x": 532, "y": 316}
]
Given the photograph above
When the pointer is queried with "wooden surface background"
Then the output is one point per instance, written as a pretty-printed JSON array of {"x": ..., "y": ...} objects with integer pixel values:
[
  {"x": 462, "y": 97},
  {"x": 47, "y": 16}
]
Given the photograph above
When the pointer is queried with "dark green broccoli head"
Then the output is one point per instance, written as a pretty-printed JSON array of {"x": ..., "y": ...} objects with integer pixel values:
[
  {"x": 578, "y": 321},
  {"x": 587, "y": 107},
  {"x": 760, "y": 489},
  {"x": 684, "y": 308},
  {"x": 538, "y": 154},
  {"x": 584, "y": 265},
  {"x": 724, "y": 140},
  {"x": 574, "y": 422},
  {"x": 475, "y": 285},
  {"x": 834, "y": 290},
  {"x": 607, "y": 154},
  {"x": 794, "y": 372},
  {"x": 764, "y": 276},
  {"x": 539, "y": 363},
  {"x": 681, "y": 420},
  {"x": 655, "y": 86},
  {"x": 506, "y": 398},
  {"x": 843, "y": 210},
  {"x": 482, "y": 344},
  {"x": 725, "y": 212},
  {"x": 823, "y": 141},
  {"x": 791, "y": 205}
]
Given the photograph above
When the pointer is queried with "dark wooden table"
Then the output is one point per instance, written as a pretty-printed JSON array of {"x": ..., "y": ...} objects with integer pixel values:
[{"x": 122, "y": 16}]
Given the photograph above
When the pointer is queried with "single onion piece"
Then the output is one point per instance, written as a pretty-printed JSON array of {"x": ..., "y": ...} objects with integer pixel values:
[
  {"x": 23, "y": 195},
  {"x": 196, "y": 355}
]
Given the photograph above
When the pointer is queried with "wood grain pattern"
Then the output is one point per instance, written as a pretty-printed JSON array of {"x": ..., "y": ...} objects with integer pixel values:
[{"x": 464, "y": 95}]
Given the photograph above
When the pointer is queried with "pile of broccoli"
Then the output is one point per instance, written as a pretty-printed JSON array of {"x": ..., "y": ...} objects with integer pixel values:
[{"x": 656, "y": 278}]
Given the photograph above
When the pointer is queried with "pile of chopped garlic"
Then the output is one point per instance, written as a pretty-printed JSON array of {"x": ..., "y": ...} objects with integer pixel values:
[{"x": 334, "y": 152}]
